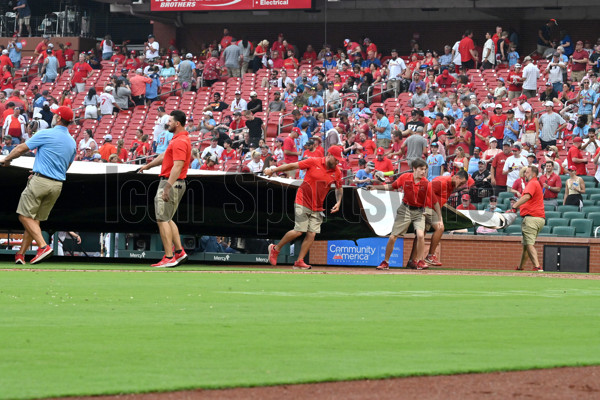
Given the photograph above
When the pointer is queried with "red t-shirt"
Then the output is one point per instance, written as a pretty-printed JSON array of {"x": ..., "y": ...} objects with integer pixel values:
[
  {"x": 320, "y": 151},
  {"x": 278, "y": 63},
  {"x": 368, "y": 147},
  {"x": 228, "y": 155},
  {"x": 60, "y": 56},
  {"x": 553, "y": 181},
  {"x": 290, "y": 63},
  {"x": 445, "y": 81},
  {"x": 579, "y": 55},
  {"x": 497, "y": 125},
  {"x": 80, "y": 71},
  {"x": 179, "y": 149},
  {"x": 69, "y": 54},
  {"x": 384, "y": 165},
  {"x": 123, "y": 155},
  {"x": 143, "y": 149},
  {"x": 464, "y": 46},
  {"x": 498, "y": 164},
  {"x": 312, "y": 154},
  {"x": 574, "y": 152},
  {"x": 514, "y": 83},
  {"x": 415, "y": 193},
  {"x": 534, "y": 207},
  {"x": 442, "y": 187},
  {"x": 205, "y": 167},
  {"x": 317, "y": 183},
  {"x": 470, "y": 207},
  {"x": 485, "y": 132},
  {"x": 6, "y": 82},
  {"x": 290, "y": 145},
  {"x": 119, "y": 58},
  {"x": 309, "y": 55}
]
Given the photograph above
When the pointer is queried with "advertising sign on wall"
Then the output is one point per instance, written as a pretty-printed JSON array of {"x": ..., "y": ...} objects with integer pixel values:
[
  {"x": 369, "y": 252},
  {"x": 228, "y": 5}
]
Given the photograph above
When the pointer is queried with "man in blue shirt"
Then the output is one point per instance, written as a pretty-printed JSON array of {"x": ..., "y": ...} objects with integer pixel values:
[
  {"x": 55, "y": 152},
  {"x": 383, "y": 129},
  {"x": 24, "y": 15},
  {"x": 435, "y": 161},
  {"x": 162, "y": 141},
  {"x": 364, "y": 176},
  {"x": 14, "y": 51}
]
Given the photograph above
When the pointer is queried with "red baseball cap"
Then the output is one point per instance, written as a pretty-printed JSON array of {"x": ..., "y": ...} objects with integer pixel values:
[
  {"x": 431, "y": 104},
  {"x": 466, "y": 197},
  {"x": 64, "y": 112},
  {"x": 296, "y": 129},
  {"x": 68, "y": 44},
  {"x": 522, "y": 97},
  {"x": 336, "y": 151},
  {"x": 572, "y": 168},
  {"x": 578, "y": 139},
  {"x": 380, "y": 151}
]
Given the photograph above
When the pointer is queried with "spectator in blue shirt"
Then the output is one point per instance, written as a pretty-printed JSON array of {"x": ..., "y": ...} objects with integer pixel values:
[
  {"x": 383, "y": 129},
  {"x": 435, "y": 161},
  {"x": 14, "y": 51},
  {"x": 364, "y": 176},
  {"x": 329, "y": 62},
  {"x": 511, "y": 127},
  {"x": 152, "y": 87},
  {"x": 582, "y": 127}
]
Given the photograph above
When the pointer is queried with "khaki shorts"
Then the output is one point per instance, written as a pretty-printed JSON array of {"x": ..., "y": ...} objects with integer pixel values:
[
  {"x": 528, "y": 138},
  {"x": 38, "y": 198},
  {"x": 307, "y": 220},
  {"x": 405, "y": 217},
  {"x": 25, "y": 20},
  {"x": 166, "y": 210},
  {"x": 577, "y": 76},
  {"x": 531, "y": 228},
  {"x": 384, "y": 143},
  {"x": 431, "y": 218},
  {"x": 513, "y": 95}
]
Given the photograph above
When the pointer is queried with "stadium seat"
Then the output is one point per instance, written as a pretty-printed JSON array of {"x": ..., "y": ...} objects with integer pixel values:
[
  {"x": 590, "y": 182},
  {"x": 546, "y": 230},
  {"x": 514, "y": 229},
  {"x": 554, "y": 222},
  {"x": 595, "y": 197},
  {"x": 573, "y": 215},
  {"x": 553, "y": 214},
  {"x": 564, "y": 209},
  {"x": 548, "y": 207},
  {"x": 587, "y": 203},
  {"x": 583, "y": 227},
  {"x": 568, "y": 231},
  {"x": 504, "y": 195},
  {"x": 594, "y": 217}
]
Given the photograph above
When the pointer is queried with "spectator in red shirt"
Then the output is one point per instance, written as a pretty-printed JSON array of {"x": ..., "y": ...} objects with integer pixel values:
[
  {"x": 496, "y": 124},
  {"x": 579, "y": 60},
  {"x": 290, "y": 151},
  {"x": 277, "y": 61},
  {"x": 60, "y": 57},
  {"x": 278, "y": 45},
  {"x": 310, "y": 54},
  {"x": 210, "y": 163},
  {"x": 81, "y": 72},
  {"x": 69, "y": 55},
  {"x": 290, "y": 62},
  {"x": 226, "y": 40},
  {"x": 551, "y": 185},
  {"x": 40, "y": 52},
  {"x": 321, "y": 173},
  {"x": 515, "y": 82},
  {"x": 466, "y": 48},
  {"x": 411, "y": 212},
  {"x": 371, "y": 47},
  {"x": 365, "y": 146},
  {"x": 576, "y": 158},
  {"x": 445, "y": 80},
  {"x": 465, "y": 203},
  {"x": 482, "y": 133},
  {"x": 382, "y": 163},
  {"x": 498, "y": 178},
  {"x": 175, "y": 162},
  {"x": 531, "y": 206}
]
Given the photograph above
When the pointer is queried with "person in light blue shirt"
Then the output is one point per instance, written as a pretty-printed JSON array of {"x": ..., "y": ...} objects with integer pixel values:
[
  {"x": 55, "y": 152},
  {"x": 162, "y": 141},
  {"x": 50, "y": 68},
  {"x": 152, "y": 87},
  {"x": 14, "y": 52},
  {"x": 513, "y": 57},
  {"x": 511, "y": 127},
  {"x": 383, "y": 128},
  {"x": 436, "y": 162},
  {"x": 474, "y": 161},
  {"x": 582, "y": 127},
  {"x": 364, "y": 176}
]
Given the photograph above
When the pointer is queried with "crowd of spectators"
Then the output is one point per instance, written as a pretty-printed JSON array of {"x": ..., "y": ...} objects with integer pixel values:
[{"x": 486, "y": 109}]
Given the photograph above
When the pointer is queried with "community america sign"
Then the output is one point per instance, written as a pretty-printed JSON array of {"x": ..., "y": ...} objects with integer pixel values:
[
  {"x": 366, "y": 252},
  {"x": 228, "y": 5}
]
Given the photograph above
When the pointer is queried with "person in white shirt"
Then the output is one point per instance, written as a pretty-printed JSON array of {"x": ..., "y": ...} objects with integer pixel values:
[
  {"x": 107, "y": 101},
  {"x": 456, "y": 60},
  {"x": 555, "y": 71},
  {"x": 489, "y": 52},
  {"x": 531, "y": 74},
  {"x": 163, "y": 119},
  {"x": 238, "y": 104},
  {"x": 591, "y": 144},
  {"x": 152, "y": 48},
  {"x": 214, "y": 149},
  {"x": 256, "y": 165},
  {"x": 513, "y": 165},
  {"x": 396, "y": 68},
  {"x": 522, "y": 107}
]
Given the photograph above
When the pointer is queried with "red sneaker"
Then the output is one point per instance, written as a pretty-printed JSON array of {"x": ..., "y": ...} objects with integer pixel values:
[
  {"x": 180, "y": 257},
  {"x": 383, "y": 266},
  {"x": 165, "y": 263},
  {"x": 538, "y": 269},
  {"x": 42, "y": 254},
  {"x": 300, "y": 264},
  {"x": 273, "y": 254},
  {"x": 519, "y": 269},
  {"x": 431, "y": 259},
  {"x": 421, "y": 265},
  {"x": 411, "y": 264},
  {"x": 19, "y": 259}
]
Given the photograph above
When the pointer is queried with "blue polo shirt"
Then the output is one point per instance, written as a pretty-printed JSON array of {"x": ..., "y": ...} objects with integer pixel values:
[
  {"x": 384, "y": 123},
  {"x": 55, "y": 152}
]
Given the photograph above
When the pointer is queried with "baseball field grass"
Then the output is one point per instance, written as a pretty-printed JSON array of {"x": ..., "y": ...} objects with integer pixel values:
[{"x": 66, "y": 333}]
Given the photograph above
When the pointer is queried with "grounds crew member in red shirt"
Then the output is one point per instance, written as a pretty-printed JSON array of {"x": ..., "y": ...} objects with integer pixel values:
[
  {"x": 175, "y": 162},
  {"x": 321, "y": 173},
  {"x": 412, "y": 211},
  {"x": 441, "y": 188},
  {"x": 531, "y": 206}
]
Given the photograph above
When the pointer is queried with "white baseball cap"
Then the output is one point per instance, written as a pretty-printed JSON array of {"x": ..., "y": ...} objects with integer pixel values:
[
  {"x": 498, "y": 106},
  {"x": 4, "y": 51},
  {"x": 253, "y": 93},
  {"x": 109, "y": 89},
  {"x": 108, "y": 136},
  {"x": 139, "y": 70},
  {"x": 189, "y": 55},
  {"x": 549, "y": 104}
]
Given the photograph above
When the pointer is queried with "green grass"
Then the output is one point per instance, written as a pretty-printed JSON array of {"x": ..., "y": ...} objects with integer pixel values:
[{"x": 78, "y": 333}]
